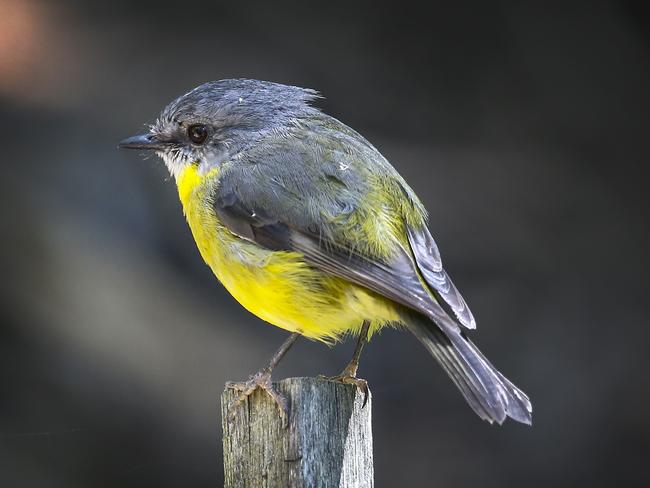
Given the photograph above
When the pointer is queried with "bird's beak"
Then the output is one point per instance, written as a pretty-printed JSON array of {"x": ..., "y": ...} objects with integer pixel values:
[{"x": 143, "y": 141}]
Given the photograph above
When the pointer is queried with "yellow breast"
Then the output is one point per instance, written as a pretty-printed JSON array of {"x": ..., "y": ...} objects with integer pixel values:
[{"x": 277, "y": 286}]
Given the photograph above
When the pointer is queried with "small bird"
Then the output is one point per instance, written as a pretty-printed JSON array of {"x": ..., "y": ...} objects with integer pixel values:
[{"x": 311, "y": 229}]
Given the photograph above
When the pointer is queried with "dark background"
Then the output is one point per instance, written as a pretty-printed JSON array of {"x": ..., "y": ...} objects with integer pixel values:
[{"x": 523, "y": 126}]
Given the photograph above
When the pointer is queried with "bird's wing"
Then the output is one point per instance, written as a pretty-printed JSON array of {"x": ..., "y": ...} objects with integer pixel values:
[
  {"x": 292, "y": 195},
  {"x": 428, "y": 260}
]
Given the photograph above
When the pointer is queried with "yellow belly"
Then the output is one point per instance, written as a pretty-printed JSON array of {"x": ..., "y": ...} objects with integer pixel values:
[{"x": 277, "y": 286}]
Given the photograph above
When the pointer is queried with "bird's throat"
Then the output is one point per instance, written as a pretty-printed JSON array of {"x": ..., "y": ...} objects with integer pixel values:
[{"x": 189, "y": 179}]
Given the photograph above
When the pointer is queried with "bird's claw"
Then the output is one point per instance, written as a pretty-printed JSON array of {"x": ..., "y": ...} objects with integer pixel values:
[
  {"x": 260, "y": 380},
  {"x": 348, "y": 378}
]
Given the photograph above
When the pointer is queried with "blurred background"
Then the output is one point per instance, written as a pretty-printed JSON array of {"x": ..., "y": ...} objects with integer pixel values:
[{"x": 523, "y": 126}]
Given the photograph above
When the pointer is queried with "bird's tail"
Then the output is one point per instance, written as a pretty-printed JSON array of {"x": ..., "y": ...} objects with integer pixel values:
[{"x": 486, "y": 390}]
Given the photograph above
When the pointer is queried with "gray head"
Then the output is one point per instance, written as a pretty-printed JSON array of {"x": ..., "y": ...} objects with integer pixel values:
[{"x": 220, "y": 118}]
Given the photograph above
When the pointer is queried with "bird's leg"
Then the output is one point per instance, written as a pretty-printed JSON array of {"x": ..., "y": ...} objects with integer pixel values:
[
  {"x": 262, "y": 380},
  {"x": 350, "y": 370},
  {"x": 349, "y": 373}
]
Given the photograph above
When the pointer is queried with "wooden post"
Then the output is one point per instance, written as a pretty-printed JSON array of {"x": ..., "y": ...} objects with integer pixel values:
[{"x": 327, "y": 444}]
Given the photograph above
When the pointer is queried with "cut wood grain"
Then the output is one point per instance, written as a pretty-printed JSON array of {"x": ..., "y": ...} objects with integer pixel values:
[{"x": 328, "y": 442}]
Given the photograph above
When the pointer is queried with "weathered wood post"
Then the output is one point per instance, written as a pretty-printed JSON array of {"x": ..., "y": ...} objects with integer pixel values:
[{"x": 328, "y": 442}]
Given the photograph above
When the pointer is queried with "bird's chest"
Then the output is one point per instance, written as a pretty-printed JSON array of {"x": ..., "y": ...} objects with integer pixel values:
[
  {"x": 241, "y": 266},
  {"x": 216, "y": 244}
]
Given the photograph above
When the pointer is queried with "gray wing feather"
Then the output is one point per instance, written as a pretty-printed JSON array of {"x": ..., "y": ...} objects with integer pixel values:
[{"x": 429, "y": 262}]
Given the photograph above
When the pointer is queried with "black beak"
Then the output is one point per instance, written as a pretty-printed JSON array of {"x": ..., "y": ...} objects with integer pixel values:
[{"x": 143, "y": 141}]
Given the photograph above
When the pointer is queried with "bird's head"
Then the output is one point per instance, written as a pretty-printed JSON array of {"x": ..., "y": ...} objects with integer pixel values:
[{"x": 216, "y": 120}]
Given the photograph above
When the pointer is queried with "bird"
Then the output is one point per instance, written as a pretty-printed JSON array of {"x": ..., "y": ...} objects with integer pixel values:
[{"x": 311, "y": 229}]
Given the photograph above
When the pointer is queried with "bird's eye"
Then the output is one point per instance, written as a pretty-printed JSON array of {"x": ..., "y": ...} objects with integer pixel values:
[{"x": 197, "y": 133}]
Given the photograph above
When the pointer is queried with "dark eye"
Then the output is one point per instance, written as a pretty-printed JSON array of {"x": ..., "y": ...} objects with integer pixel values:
[{"x": 197, "y": 133}]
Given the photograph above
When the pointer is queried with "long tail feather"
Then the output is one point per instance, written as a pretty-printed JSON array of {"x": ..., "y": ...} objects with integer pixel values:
[{"x": 488, "y": 392}]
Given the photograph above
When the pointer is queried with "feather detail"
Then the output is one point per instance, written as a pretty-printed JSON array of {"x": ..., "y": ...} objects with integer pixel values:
[{"x": 429, "y": 263}]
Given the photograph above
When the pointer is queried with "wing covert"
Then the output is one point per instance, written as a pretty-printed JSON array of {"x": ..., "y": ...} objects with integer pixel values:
[{"x": 429, "y": 262}]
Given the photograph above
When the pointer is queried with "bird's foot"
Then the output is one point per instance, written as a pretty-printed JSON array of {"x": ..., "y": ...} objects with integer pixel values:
[
  {"x": 349, "y": 377},
  {"x": 260, "y": 380}
]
